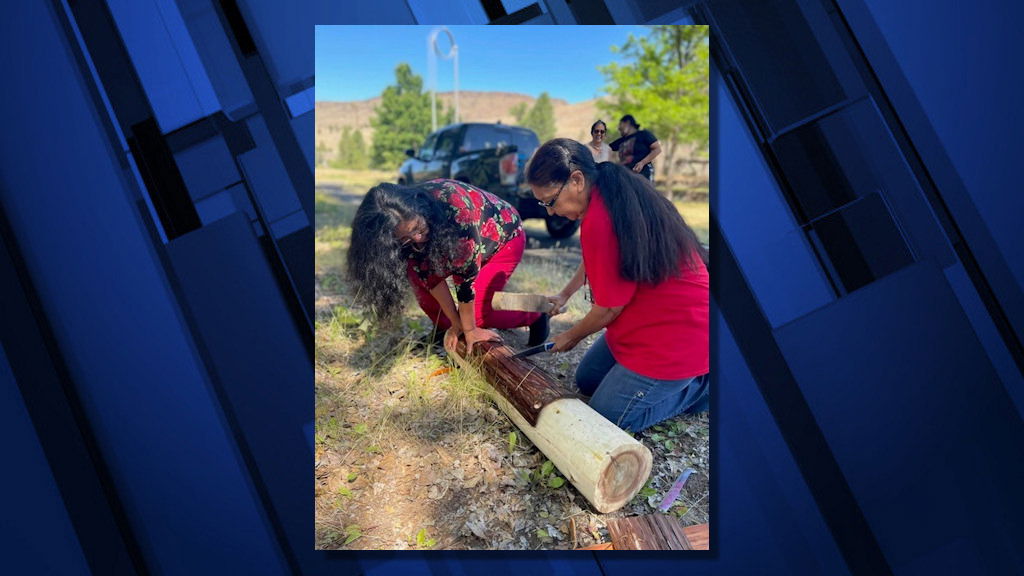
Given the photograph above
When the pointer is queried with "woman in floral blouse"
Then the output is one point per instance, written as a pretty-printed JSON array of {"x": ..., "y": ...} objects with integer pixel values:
[{"x": 424, "y": 234}]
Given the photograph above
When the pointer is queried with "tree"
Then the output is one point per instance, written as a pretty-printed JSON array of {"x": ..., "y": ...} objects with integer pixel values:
[
  {"x": 541, "y": 118},
  {"x": 321, "y": 153},
  {"x": 519, "y": 112},
  {"x": 360, "y": 158},
  {"x": 401, "y": 120},
  {"x": 352, "y": 152},
  {"x": 664, "y": 84}
]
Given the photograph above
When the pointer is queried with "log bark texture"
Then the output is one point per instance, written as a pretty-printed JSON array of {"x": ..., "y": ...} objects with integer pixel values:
[
  {"x": 605, "y": 464},
  {"x": 654, "y": 532}
]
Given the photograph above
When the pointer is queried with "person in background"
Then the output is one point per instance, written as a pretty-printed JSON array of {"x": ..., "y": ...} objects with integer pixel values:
[
  {"x": 648, "y": 279},
  {"x": 422, "y": 235},
  {"x": 598, "y": 147},
  {"x": 637, "y": 148}
]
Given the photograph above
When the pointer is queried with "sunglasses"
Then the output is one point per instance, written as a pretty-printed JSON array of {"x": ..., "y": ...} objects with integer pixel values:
[
  {"x": 554, "y": 199},
  {"x": 598, "y": 132}
]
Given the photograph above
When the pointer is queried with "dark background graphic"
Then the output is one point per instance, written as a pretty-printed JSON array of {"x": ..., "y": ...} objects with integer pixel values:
[{"x": 156, "y": 211}]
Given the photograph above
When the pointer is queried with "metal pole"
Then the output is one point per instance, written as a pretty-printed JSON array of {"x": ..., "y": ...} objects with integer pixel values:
[
  {"x": 455, "y": 51},
  {"x": 433, "y": 51}
]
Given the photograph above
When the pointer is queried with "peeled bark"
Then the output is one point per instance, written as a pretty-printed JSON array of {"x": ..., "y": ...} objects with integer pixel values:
[
  {"x": 605, "y": 464},
  {"x": 655, "y": 532}
]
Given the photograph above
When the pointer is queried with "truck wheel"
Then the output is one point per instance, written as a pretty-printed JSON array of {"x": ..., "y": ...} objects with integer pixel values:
[{"x": 560, "y": 227}]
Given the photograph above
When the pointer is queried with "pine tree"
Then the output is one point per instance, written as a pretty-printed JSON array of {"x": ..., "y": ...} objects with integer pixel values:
[
  {"x": 401, "y": 120},
  {"x": 541, "y": 118}
]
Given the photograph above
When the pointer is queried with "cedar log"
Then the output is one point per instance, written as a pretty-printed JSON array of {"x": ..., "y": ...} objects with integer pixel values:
[{"x": 605, "y": 464}]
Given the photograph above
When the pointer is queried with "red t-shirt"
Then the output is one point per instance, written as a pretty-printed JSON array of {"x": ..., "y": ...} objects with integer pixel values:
[{"x": 662, "y": 331}]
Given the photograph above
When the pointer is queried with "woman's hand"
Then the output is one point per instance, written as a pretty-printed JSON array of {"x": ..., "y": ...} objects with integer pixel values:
[
  {"x": 480, "y": 335},
  {"x": 557, "y": 303},
  {"x": 451, "y": 338},
  {"x": 639, "y": 167},
  {"x": 564, "y": 342}
]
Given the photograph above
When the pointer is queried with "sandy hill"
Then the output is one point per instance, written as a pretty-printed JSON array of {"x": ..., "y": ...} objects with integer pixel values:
[{"x": 571, "y": 120}]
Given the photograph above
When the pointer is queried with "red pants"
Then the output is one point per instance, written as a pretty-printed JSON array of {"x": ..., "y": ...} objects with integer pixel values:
[{"x": 493, "y": 276}]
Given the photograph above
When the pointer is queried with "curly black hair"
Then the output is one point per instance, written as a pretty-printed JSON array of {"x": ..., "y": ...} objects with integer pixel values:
[{"x": 377, "y": 263}]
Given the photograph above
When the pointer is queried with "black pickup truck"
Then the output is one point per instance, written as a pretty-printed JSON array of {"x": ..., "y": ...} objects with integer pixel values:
[{"x": 489, "y": 156}]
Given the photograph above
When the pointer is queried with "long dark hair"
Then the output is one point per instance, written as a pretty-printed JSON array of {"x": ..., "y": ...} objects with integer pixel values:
[
  {"x": 376, "y": 263},
  {"x": 653, "y": 237}
]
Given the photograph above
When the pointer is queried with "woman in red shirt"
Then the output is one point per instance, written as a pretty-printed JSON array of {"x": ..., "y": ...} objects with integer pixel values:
[
  {"x": 648, "y": 278},
  {"x": 423, "y": 234}
]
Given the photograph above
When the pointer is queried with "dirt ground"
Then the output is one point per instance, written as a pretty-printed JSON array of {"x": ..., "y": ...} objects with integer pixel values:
[{"x": 410, "y": 453}]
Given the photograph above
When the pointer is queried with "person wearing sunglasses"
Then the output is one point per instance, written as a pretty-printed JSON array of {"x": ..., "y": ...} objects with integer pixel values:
[
  {"x": 602, "y": 151},
  {"x": 648, "y": 279},
  {"x": 424, "y": 234}
]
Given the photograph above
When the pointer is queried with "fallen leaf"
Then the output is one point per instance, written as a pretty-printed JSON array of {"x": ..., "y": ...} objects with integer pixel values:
[{"x": 477, "y": 527}]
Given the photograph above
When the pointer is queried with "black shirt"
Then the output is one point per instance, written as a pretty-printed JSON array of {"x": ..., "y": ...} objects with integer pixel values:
[{"x": 634, "y": 148}]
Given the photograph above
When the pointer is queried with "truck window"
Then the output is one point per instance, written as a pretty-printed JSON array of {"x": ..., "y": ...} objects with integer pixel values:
[
  {"x": 525, "y": 141},
  {"x": 482, "y": 137},
  {"x": 445, "y": 145},
  {"x": 426, "y": 152}
]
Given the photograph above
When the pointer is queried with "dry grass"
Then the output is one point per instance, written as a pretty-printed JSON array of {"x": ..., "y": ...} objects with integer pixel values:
[{"x": 354, "y": 181}]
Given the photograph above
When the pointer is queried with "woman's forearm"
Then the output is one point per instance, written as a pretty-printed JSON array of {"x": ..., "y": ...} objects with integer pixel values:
[
  {"x": 467, "y": 315},
  {"x": 443, "y": 295},
  {"x": 595, "y": 320}
]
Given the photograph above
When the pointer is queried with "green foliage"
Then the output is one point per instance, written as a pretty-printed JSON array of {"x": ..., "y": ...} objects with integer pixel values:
[
  {"x": 545, "y": 476},
  {"x": 352, "y": 153},
  {"x": 647, "y": 491},
  {"x": 352, "y": 533},
  {"x": 401, "y": 120},
  {"x": 664, "y": 84},
  {"x": 424, "y": 541},
  {"x": 446, "y": 117},
  {"x": 519, "y": 112},
  {"x": 540, "y": 118},
  {"x": 513, "y": 439},
  {"x": 322, "y": 151}
]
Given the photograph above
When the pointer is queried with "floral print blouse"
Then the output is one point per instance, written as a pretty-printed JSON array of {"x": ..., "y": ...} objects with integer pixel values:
[{"x": 483, "y": 222}]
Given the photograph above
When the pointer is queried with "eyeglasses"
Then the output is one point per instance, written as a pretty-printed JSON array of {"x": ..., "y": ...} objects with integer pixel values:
[
  {"x": 416, "y": 236},
  {"x": 598, "y": 132},
  {"x": 551, "y": 202}
]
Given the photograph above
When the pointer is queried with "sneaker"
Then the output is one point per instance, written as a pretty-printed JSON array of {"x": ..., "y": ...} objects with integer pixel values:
[{"x": 539, "y": 331}]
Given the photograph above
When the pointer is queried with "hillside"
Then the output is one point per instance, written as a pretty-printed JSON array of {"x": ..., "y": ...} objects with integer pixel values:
[{"x": 571, "y": 120}]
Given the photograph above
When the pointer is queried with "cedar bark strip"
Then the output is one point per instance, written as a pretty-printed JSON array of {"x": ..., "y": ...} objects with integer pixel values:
[
  {"x": 654, "y": 532},
  {"x": 698, "y": 536},
  {"x": 605, "y": 464},
  {"x": 524, "y": 384}
]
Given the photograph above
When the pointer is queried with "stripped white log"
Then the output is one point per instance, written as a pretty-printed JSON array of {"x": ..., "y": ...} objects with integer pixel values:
[{"x": 605, "y": 464}]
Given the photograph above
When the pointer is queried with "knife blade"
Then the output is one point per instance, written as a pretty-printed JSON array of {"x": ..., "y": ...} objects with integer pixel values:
[{"x": 534, "y": 350}]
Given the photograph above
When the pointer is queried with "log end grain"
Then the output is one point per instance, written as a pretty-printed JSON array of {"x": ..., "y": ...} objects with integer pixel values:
[{"x": 624, "y": 474}]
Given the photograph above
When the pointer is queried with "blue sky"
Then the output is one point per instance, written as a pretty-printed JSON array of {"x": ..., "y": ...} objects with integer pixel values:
[{"x": 358, "y": 62}]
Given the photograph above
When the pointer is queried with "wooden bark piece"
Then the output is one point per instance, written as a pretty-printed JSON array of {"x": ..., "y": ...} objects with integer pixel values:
[
  {"x": 605, "y": 464},
  {"x": 698, "y": 536},
  {"x": 524, "y": 384},
  {"x": 654, "y": 532}
]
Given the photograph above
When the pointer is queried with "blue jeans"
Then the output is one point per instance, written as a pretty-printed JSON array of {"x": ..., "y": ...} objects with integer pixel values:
[{"x": 634, "y": 402}]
